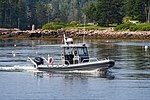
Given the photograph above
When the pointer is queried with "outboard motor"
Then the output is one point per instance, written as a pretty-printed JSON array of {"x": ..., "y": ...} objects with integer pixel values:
[{"x": 38, "y": 60}]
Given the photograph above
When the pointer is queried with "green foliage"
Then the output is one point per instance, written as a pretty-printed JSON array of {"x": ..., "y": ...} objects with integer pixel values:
[
  {"x": 122, "y": 27},
  {"x": 89, "y": 11},
  {"x": 136, "y": 9},
  {"x": 126, "y": 19},
  {"x": 146, "y": 28},
  {"x": 140, "y": 28},
  {"x": 54, "y": 26},
  {"x": 24, "y": 13},
  {"x": 91, "y": 27},
  {"x": 73, "y": 23},
  {"x": 9, "y": 13},
  {"x": 22, "y": 17},
  {"x": 41, "y": 16},
  {"x": 105, "y": 12},
  {"x": 39, "y": 12},
  {"x": 133, "y": 27}
]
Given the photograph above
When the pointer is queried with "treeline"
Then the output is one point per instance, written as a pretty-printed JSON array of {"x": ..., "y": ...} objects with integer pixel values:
[
  {"x": 23, "y": 13},
  {"x": 106, "y": 12}
]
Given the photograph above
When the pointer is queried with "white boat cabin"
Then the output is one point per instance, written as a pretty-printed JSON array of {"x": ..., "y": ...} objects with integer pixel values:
[{"x": 75, "y": 53}]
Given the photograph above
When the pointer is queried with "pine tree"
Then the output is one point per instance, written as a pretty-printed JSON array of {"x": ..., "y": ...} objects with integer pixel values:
[
  {"x": 9, "y": 12},
  {"x": 106, "y": 12},
  {"x": 136, "y": 9},
  {"x": 31, "y": 13},
  {"x": 22, "y": 15},
  {"x": 89, "y": 11},
  {"x": 3, "y": 9},
  {"x": 41, "y": 14},
  {"x": 48, "y": 11}
]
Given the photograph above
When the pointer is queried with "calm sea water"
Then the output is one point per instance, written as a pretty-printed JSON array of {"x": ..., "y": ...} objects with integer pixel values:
[{"x": 128, "y": 80}]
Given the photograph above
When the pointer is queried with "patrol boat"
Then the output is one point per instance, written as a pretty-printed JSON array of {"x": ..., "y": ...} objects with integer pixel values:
[{"x": 75, "y": 57}]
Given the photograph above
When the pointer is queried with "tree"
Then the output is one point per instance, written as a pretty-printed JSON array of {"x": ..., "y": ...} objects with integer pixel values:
[
  {"x": 136, "y": 9},
  {"x": 3, "y": 10},
  {"x": 148, "y": 11},
  {"x": 105, "y": 12},
  {"x": 56, "y": 13},
  {"x": 48, "y": 11},
  {"x": 109, "y": 12},
  {"x": 13, "y": 13},
  {"x": 89, "y": 11},
  {"x": 31, "y": 13},
  {"x": 22, "y": 15},
  {"x": 9, "y": 12},
  {"x": 41, "y": 14}
]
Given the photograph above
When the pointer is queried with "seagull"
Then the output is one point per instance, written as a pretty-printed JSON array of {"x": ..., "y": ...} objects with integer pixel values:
[
  {"x": 36, "y": 52},
  {"x": 146, "y": 47},
  {"x": 13, "y": 53}
]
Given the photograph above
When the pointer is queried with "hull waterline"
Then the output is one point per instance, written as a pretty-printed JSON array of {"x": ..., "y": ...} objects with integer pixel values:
[{"x": 79, "y": 67}]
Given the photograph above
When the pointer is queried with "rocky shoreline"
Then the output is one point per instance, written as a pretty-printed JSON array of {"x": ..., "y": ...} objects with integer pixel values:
[{"x": 102, "y": 34}]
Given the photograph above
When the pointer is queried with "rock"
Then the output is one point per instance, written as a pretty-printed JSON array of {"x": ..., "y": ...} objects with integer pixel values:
[{"x": 75, "y": 32}]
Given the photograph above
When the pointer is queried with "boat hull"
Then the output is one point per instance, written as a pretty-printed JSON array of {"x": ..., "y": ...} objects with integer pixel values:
[{"x": 106, "y": 64}]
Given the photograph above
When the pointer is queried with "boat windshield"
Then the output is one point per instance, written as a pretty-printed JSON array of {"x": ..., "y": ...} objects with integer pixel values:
[{"x": 81, "y": 51}]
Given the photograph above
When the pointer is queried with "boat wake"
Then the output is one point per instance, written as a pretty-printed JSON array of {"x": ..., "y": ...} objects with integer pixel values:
[{"x": 17, "y": 69}]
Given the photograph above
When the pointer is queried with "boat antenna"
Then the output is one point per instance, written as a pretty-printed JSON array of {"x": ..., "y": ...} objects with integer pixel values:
[
  {"x": 84, "y": 28},
  {"x": 64, "y": 38}
]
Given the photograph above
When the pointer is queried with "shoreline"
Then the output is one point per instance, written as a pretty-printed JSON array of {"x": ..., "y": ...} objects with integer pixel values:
[{"x": 76, "y": 33}]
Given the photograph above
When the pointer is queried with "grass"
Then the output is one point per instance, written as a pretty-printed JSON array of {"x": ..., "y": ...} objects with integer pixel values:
[
  {"x": 90, "y": 27},
  {"x": 56, "y": 26},
  {"x": 133, "y": 27}
]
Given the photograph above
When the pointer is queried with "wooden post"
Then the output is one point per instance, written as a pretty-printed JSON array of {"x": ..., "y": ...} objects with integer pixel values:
[{"x": 33, "y": 27}]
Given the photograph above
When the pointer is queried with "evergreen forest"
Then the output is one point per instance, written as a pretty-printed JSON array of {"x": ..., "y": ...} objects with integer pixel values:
[{"x": 23, "y": 14}]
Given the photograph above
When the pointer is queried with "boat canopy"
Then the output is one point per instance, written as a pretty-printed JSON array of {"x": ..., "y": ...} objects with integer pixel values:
[{"x": 75, "y": 53}]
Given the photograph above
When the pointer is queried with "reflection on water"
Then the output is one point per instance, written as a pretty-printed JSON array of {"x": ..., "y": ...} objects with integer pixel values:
[
  {"x": 129, "y": 56},
  {"x": 70, "y": 75},
  {"x": 129, "y": 79}
]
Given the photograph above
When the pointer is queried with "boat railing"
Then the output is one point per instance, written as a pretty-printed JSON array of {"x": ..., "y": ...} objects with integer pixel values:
[
  {"x": 35, "y": 64},
  {"x": 56, "y": 61},
  {"x": 93, "y": 59},
  {"x": 45, "y": 60},
  {"x": 90, "y": 60},
  {"x": 61, "y": 61},
  {"x": 84, "y": 60}
]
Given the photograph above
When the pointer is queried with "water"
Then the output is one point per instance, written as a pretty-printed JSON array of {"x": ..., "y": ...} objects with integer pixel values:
[{"x": 128, "y": 80}]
